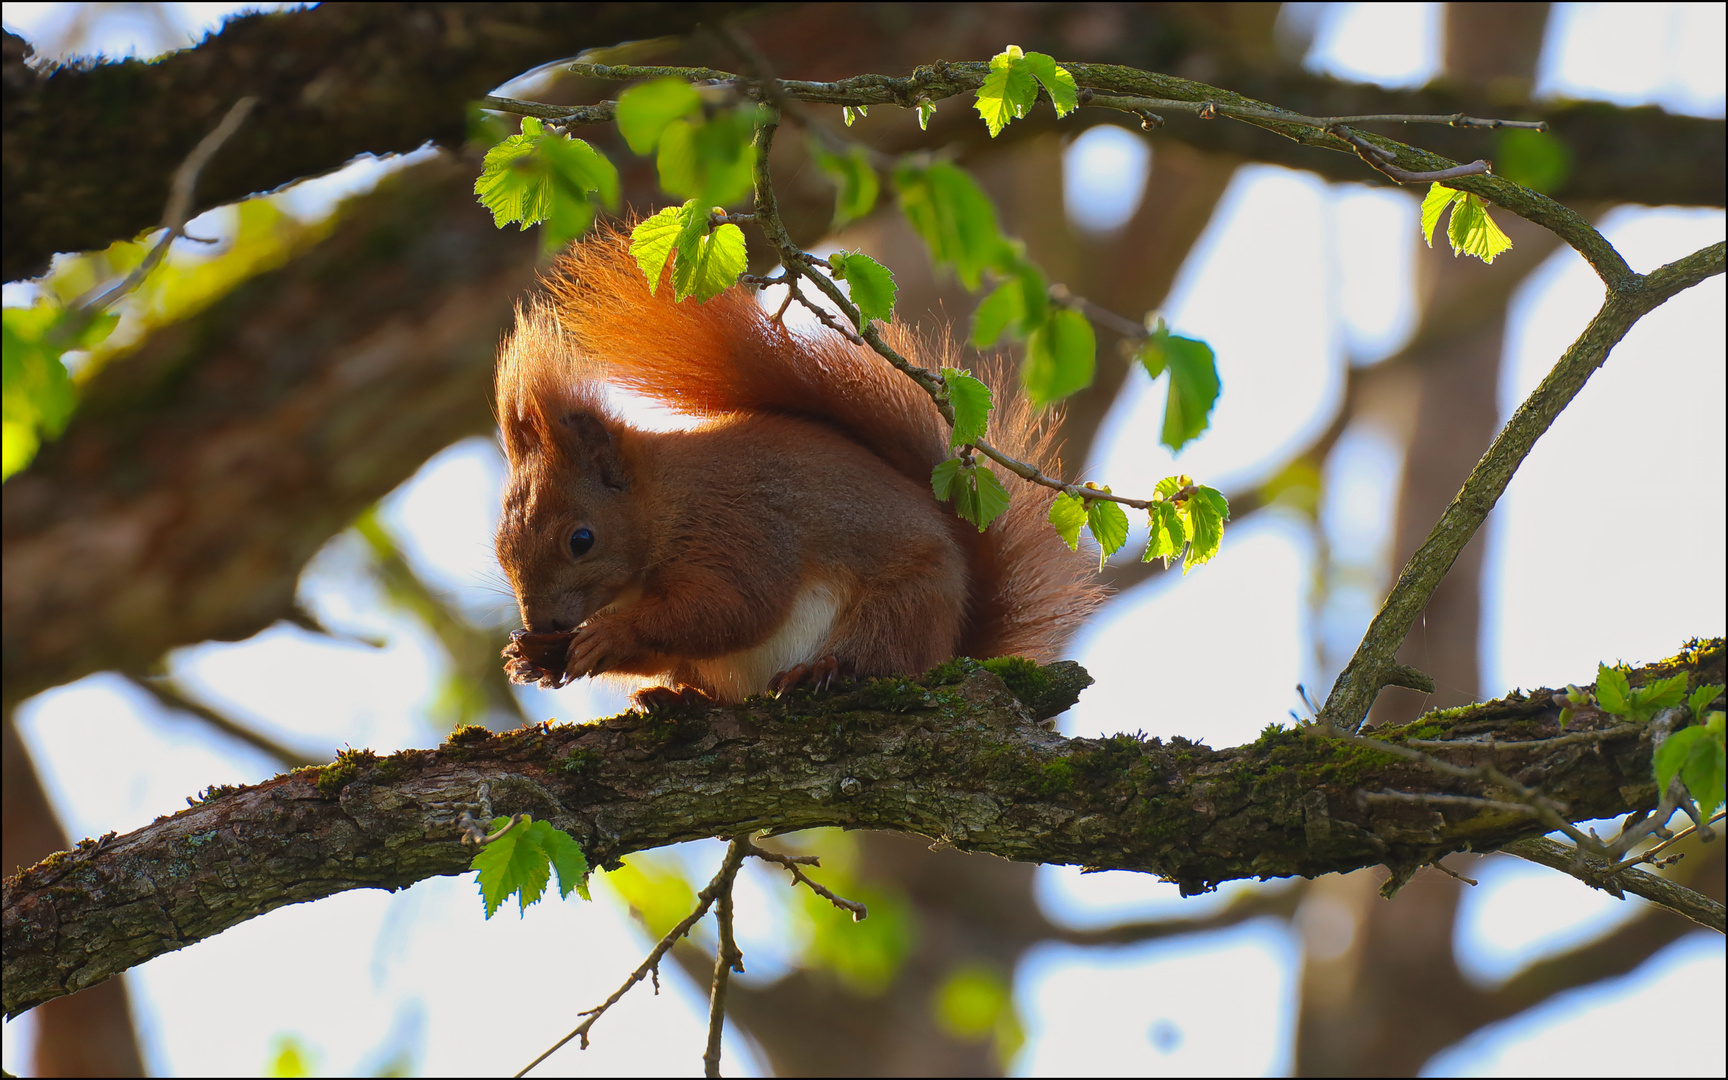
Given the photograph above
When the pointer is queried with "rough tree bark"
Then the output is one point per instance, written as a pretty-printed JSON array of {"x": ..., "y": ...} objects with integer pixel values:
[{"x": 959, "y": 756}]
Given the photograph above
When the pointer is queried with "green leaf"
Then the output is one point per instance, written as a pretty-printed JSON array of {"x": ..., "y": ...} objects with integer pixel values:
[
  {"x": 567, "y": 860},
  {"x": 1011, "y": 88},
  {"x": 515, "y": 863},
  {"x": 1003, "y": 307},
  {"x": 39, "y": 396},
  {"x": 1194, "y": 384},
  {"x": 943, "y": 477},
  {"x": 977, "y": 495},
  {"x": 582, "y": 168},
  {"x": 855, "y": 178},
  {"x": 652, "y": 240},
  {"x": 1008, "y": 91},
  {"x": 644, "y": 111},
  {"x": 1696, "y": 755},
  {"x": 521, "y": 862},
  {"x": 956, "y": 220},
  {"x": 1700, "y": 700},
  {"x": 972, "y": 402},
  {"x": 512, "y": 181},
  {"x": 1060, "y": 357},
  {"x": 1472, "y": 232},
  {"x": 709, "y": 162},
  {"x": 870, "y": 283},
  {"x": 1169, "y": 533},
  {"x": 1067, "y": 514},
  {"x": 1056, "y": 80},
  {"x": 1108, "y": 524},
  {"x": 1613, "y": 692},
  {"x": 1434, "y": 204},
  {"x": 926, "y": 109},
  {"x": 1206, "y": 511},
  {"x": 544, "y": 176},
  {"x": 851, "y": 113},
  {"x": 1662, "y": 694},
  {"x": 1536, "y": 160},
  {"x": 720, "y": 258}
]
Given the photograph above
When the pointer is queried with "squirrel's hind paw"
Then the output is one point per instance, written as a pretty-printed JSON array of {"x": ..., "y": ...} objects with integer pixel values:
[
  {"x": 658, "y": 699},
  {"x": 820, "y": 674}
]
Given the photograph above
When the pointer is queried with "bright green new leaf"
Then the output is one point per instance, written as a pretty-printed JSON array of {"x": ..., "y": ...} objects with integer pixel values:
[
  {"x": 953, "y": 216},
  {"x": 652, "y": 240},
  {"x": 870, "y": 283},
  {"x": 1696, "y": 755},
  {"x": 1661, "y": 694},
  {"x": 1011, "y": 88},
  {"x": 720, "y": 258},
  {"x": 513, "y": 182},
  {"x": 1536, "y": 160},
  {"x": 38, "y": 396},
  {"x": 1169, "y": 533},
  {"x": 850, "y": 113},
  {"x": 568, "y": 860},
  {"x": 977, "y": 495},
  {"x": 710, "y": 162},
  {"x": 1003, "y": 308},
  {"x": 522, "y": 860},
  {"x": 1056, "y": 80},
  {"x": 1699, "y": 702},
  {"x": 1067, "y": 514},
  {"x": 855, "y": 178},
  {"x": 1613, "y": 692},
  {"x": 1170, "y": 485},
  {"x": 926, "y": 109},
  {"x": 1008, "y": 91},
  {"x": 1434, "y": 204},
  {"x": 1108, "y": 524},
  {"x": 582, "y": 168},
  {"x": 514, "y": 863},
  {"x": 544, "y": 176},
  {"x": 1206, "y": 511},
  {"x": 645, "y": 110},
  {"x": 1060, "y": 357},
  {"x": 1472, "y": 232},
  {"x": 971, "y": 400},
  {"x": 1194, "y": 384}
]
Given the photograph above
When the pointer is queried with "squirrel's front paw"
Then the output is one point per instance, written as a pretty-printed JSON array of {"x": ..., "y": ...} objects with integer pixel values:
[
  {"x": 596, "y": 648},
  {"x": 537, "y": 658}
]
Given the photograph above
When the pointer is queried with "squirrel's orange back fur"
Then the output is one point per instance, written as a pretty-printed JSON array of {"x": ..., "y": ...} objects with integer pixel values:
[{"x": 1027, "y": 591}]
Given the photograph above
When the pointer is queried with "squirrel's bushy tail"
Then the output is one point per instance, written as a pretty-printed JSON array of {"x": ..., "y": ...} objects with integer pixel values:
[{"x": 1029, "y": 592}]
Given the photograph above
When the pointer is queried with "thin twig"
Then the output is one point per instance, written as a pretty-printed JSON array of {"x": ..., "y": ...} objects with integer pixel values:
[
  {"x": 166, "y": 691},
  {"x": 1649, "y": 855},
  {"x": 1381, "y": 161},
  {"x": 179, "y": 208},
  {"x": 793, "y": 863},
  {"x": 1597, "y": 873},
  {"x": 704, "y": 900},
  {"x": 1618, "y": 732},
  {"x": 727, "y": 956},
  {"x": 1543, "y": 807}
]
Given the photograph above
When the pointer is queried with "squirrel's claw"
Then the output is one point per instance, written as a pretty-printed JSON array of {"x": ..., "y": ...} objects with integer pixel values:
[
  {"x": 659, "y": 699},
  {"x": 821, "y": 674}
]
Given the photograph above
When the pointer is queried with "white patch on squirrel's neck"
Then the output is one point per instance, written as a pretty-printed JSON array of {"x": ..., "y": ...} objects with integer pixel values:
[{"x": 802, "y": 638}]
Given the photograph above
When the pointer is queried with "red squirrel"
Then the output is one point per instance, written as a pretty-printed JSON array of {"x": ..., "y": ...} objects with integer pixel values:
[{"x": 790, "y": 537}]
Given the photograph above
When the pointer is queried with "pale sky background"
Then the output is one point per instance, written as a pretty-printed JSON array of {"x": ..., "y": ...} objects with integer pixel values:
[{"x": 1331, "y": 266}]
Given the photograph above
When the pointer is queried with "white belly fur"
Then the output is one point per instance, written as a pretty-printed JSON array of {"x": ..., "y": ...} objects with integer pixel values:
[{"x": 803, "y": 637}]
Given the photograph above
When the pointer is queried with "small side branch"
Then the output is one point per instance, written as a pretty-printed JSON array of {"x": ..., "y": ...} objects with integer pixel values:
[
  {"x": 1598, "y": 873},
  {"x": 1372, "y": 666}
]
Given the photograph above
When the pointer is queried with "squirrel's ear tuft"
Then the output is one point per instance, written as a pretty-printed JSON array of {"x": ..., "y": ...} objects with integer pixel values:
[{"x": 592, "y": 448}]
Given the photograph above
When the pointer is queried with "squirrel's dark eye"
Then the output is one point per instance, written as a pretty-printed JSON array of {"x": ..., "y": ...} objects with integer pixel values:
[{"x": 580, "y": 541}]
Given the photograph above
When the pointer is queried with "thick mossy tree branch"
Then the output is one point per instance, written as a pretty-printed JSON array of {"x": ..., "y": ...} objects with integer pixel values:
[
  {"x": 960, "y": 756},
  {"x": 1373, "y": 666}
]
